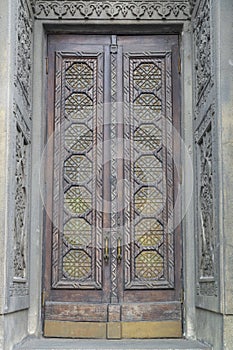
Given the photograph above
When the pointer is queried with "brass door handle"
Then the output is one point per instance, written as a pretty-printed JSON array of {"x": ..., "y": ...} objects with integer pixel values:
[
  {"x": 119, "y": 250},
  {"x": 106, "y": 250}
]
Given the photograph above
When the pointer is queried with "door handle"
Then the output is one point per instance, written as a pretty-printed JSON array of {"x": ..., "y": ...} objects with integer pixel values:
[
  {"x": 119, "y": 250},
  {"x": 106, "y": 249}
]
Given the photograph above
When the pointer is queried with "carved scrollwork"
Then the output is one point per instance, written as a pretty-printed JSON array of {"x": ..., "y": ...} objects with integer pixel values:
[
  {"x": 22, "y": 106},
  {"x": 112, "y": 9},
  {"x": 203, "y": 51},
  {"x": 192, "y": 4},
  {"x": 207, "y": 289},
  {"x": 21, "y": 195},
  {"x": 19, "y": 289},
  {"x": 206, "y": 206},
  {"x": 24, "y": 50},
  {"x": 206, "y": 209}
]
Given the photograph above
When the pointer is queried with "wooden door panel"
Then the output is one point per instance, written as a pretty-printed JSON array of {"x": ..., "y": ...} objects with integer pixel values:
[
  {"x": 76, "y": 312},
  {"x": 150, "y": 270},
  {"x": 149, "y": 247},
  {"x": 75, "y": 264},
  {"x": 132, "y": 312},
  {"x": 112, "y": 253},
  {"x": 74, "y": 239}
]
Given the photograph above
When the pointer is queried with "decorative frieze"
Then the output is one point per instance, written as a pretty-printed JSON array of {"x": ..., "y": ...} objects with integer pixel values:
[{"x": 120, "y": 9}]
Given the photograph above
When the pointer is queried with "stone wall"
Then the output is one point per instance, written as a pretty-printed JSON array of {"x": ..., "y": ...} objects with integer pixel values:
[
  {"x": 212, "y": 75},
  {"x": 206, "y": 151},
  {"x": 225, "y": 137},
  {"x": 16, "y": 123}
]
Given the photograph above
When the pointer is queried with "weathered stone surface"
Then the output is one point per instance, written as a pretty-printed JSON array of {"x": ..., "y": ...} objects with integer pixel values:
[
  {"x": 210, "y": 328},
  {"x": 111, "y": 345},
  {"x": 228, "y": 335},
  {"x": 205, "y": 165},
  {"x": 225, "y": 13},
  {"x": 5, "y": 71}
]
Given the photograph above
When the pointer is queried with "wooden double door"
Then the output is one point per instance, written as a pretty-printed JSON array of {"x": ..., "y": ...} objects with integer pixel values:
[{"x": 112, "y": 254}]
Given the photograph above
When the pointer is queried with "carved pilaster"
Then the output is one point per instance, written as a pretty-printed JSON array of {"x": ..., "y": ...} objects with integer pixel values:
[
  {"x": 203, "y": 53},
  {"x": 24, "y": 51},
  {"x": 21, "y": 129},
  {"x": 21, "y": 196},
  {"x": 205, "y": 150},
  {"x": 206, "y": 207}
]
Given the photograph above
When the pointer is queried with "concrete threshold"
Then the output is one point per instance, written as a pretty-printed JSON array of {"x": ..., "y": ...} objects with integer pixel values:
[{"x": 79, "y": 344}]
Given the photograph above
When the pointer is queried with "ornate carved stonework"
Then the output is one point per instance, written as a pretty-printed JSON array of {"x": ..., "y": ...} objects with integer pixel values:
[
  {"x": 205, "y": 207},
  {"x": 204, "y": 112},
  {"x": 24, "y": 50},
  {"x": 19, "y": 289},
  {"x": 22, "y": 106},
  {"x": 207, "y": 288},
  {"x": 22, "y": 120},
  {"x": 192, "y": 4},
  {"x": 21, "y": 195},
  {"x": 203, "y": 51},
  {"x": 113, "y": 9}
]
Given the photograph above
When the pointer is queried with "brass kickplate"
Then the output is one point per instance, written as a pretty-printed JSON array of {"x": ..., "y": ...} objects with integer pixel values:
[
  {"x": 66, "y": 329},
  {"x": 113, "y": 330}
]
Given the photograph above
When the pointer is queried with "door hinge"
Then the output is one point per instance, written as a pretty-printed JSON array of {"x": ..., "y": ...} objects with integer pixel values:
[
  {"x": 47, "y": 65},
  {"x": 182, "y": 296},
  {"x": 181, "y": 174},
  {"x": 113, "y": 47},
  {"x": 179, "y": 65},
  {"x": 43, "y": 297}
]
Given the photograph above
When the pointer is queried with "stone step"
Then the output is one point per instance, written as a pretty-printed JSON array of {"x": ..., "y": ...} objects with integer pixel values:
[{"x": 78, "y": 344}]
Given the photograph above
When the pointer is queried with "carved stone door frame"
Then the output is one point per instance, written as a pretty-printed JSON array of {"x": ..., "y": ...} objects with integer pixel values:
[{"x": 44, "y": 27}]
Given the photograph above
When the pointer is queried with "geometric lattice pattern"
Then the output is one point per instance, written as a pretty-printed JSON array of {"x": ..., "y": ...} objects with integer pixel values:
[
  {"x": 79, "y": 100},
  {"x": 78, "y": 168},
  {"x": 148, "y": 169},
  {"x": 147, "y": 106},
  {"x": 149, "y": 265},
  {"x": 147, "y": 81},
  {"x": 77, "y": 200},
  {"x": 79, "y": 106},
  {"x": 147, "y": 137},
  {"x": 148, "y": 201},
  {"x": 147, "y": 76},
  {"x": 77, "y": 264},
  {"x": 77, "y": 232},
  {"x": 79, "y": 76},
  {"x": 149, "y": 233},
  {"x": 78, "y": 137}
]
